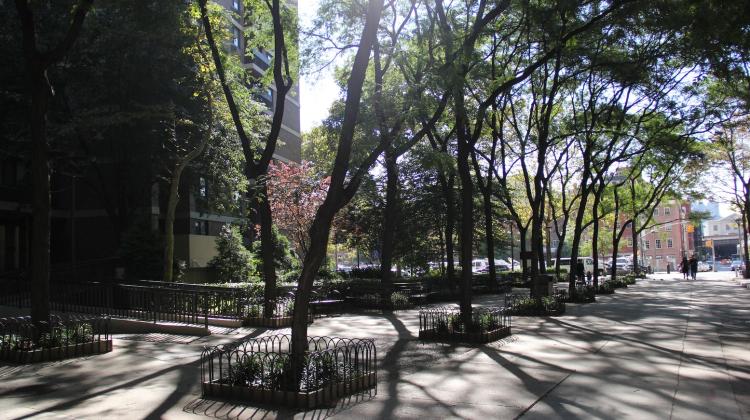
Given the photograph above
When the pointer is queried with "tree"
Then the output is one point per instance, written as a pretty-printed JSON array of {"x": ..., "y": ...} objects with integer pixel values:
[
  {"x": 38, "y": 62},
  {"x": 257, "y": 161},
  {"x": 340, "y": 192},
  {"x": 295, "y": 194}
]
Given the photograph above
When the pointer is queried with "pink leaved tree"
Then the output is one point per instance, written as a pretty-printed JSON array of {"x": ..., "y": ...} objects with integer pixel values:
[{"x": 295, "y": 194}]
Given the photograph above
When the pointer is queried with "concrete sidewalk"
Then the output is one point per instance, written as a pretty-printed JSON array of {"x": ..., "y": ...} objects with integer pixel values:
[{"x": 664, "y": 348}]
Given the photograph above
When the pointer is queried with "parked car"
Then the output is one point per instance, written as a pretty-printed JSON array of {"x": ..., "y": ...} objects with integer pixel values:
[
  {"x": 588, "y": 264},
  {"x": 624, "y": 265},
  {"x": 703, "y": 266},
  {"x": 736, "y": 264}
]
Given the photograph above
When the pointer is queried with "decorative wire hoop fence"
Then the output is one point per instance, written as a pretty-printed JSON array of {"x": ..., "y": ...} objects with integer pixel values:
[
  {"x": 446, "y": 323},
  {"x": 529, "y": 306},
  {"x": 25, "y": 341},
  {"x": 261, "y": 370}
]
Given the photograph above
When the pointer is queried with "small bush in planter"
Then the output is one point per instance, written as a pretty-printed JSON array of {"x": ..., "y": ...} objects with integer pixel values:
[{"x": 399, "y": 300}]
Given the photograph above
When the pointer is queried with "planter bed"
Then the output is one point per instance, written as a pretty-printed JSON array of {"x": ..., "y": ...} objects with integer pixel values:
[
  {"x": 23, "y": 341},
  {"x": 259, "y": 370},
  {"x": 465, "y": 337},
  {"x": 521, "y": 306},
  {"x": 321, "y": 397},
  {"x": 446, "y": 324},
  {"x": 56, "y": 353}
]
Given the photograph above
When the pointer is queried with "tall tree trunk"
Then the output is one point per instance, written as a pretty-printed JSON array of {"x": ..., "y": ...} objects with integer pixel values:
[
  {"x": 467, "y": 230},
  {"x": 336, "y": 196},
  {"x": 745, "y": 214},
  {"x": 169, "y": 218},
  {"x": 40, "y": 173},
  {"x": 37, "y": 63},
  {"x": 633, "y": 230},
  {"x": 267, "y": 247},
  {"x": 577, "y": 236},
  {"x": 595, "y": 235},
  {"x": 450, "y": 226},
  {"x": 174, "y": 185},
  {"x": 489, "y": 235},
  {"x": 389, "y": 222}
]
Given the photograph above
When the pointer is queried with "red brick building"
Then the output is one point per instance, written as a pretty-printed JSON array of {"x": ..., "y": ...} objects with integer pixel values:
[{"x": 668, "y": 237}]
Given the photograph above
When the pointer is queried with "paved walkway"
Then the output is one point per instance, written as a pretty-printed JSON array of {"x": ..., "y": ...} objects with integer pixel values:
[{"x": 664, "y": 348}]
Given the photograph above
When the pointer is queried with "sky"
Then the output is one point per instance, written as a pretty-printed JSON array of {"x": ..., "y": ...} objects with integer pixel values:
[{"x": 317, "y": 92}]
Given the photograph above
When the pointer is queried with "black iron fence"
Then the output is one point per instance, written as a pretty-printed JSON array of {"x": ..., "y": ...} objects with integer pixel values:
[
  {"x": 448, "y": 320},
  {"x": 332, "y": 366},
  {"x": 148, "y": 301},
  {"x": 62, "y": 335},
  {"x": 543, "y": 306}
]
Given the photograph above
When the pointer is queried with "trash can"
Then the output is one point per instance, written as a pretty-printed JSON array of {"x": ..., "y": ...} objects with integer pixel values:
[{"x": 543, "y": 285}]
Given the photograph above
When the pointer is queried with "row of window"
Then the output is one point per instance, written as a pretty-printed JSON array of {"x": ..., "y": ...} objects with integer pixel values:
[
  {"x": 727, "y": 227},
  {"x": 668, "y": 211},
  {"x": 647, "y": 244}
]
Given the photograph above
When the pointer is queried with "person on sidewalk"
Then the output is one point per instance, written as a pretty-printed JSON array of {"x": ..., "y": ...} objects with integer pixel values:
[
  {"x": 580, "y": 271},
  {"x": 685, "y": 267},
  {"x": 693, "y": 266}
]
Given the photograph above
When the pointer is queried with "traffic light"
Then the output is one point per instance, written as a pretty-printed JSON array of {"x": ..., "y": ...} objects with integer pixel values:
[
  {"x": 690, "y": 228},
  {"x": 710, "y": 243}
]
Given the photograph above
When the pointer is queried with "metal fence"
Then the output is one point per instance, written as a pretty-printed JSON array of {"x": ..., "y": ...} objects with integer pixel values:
[
  {"x": 61, "y": 334},
  {"x": 448, "y": 320},
  {"x": 530, "y": 306},
  {"x": 330, "y": 366}
]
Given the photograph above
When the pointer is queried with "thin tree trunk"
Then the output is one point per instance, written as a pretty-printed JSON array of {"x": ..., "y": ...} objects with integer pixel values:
[
  {"x": 577, "y": 236},
  {"x": 266, "y": 251},
  {"x": 489, "y": 234},
  {"x": 336, "y": 196},
  {"x": 169, "y": 218},
  {"x": 40, "y": 176},
  {"x": 389, "y": 222}
]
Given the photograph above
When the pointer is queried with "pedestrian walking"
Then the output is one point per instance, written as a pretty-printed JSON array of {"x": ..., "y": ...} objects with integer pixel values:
[
  {"x": 685, "y": 267},
  {"x": 580, "y": 271},
  {"x": 693, "y": 266}
]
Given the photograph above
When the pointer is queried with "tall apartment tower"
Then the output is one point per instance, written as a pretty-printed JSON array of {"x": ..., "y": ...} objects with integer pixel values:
[{"x": 259, "y": 61}]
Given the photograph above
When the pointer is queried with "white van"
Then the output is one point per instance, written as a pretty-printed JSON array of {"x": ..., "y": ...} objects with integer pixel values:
[{"x": 588, "y": 264}]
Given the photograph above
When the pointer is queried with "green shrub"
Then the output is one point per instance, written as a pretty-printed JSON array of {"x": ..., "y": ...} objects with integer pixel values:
[
  {"x": 234, "y": 263},
  {"x": 285, "y": 259},
  {"x": 399, "y": 300}
]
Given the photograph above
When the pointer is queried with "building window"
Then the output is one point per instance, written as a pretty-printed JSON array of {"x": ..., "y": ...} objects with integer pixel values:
[
  {"x": 656, "y": 211},
  {"x": 630, "y": 242},
  {"x": 727, "y": 227},
  {"x": 236, "y": 34},
  {"x": 658, "y": 244},
  {"x": 202, "y": 190},
  {"x": 200, "y": 227},
  {"x": 669, "y": 243},
  {"x": 667, "y": 211},
  {"x": 668, "y": 228},
  {"x": 647, "y": 244},
  {"x": 716, "y": 228}
]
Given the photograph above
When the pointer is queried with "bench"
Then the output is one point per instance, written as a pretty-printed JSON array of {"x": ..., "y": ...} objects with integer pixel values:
[
  {"x": 326, "y": 304},
  {"x": 418, "y": 292}
]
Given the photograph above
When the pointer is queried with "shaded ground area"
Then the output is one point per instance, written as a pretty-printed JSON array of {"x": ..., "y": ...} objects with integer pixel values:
[{"x": 665, "y": 348}]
